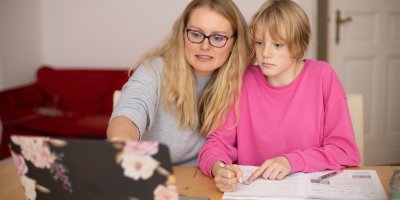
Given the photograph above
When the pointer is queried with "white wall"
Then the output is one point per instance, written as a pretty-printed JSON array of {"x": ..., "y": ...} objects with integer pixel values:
[
  {"x": 104, "y": 33},
  {"x": 90, "y": 33},
  {"x": 20, "y": 41},
  {"x": 310, "y": 6}
]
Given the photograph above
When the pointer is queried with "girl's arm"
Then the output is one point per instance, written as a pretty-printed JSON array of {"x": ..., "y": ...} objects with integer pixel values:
[
  {"x": 220, "y": 146},
  {"x": 338, "y": 147}
]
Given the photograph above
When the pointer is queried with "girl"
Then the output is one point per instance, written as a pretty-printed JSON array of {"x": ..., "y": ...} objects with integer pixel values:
[{"x": 293, "y": 114}]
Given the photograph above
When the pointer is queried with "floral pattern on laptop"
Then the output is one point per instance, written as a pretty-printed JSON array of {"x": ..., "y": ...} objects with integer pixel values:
[
  {"x": 137, "y": 162},
  {"x": 139, "y": 170},
  {"x": 36, "y": 151}
]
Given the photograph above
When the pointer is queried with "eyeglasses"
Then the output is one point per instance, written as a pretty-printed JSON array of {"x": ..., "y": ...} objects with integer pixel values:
[{"x": 215, "y": 40}]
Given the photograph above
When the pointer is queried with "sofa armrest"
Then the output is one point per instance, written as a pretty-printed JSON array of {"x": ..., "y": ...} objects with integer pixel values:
[{"x": 24, "y": 97}]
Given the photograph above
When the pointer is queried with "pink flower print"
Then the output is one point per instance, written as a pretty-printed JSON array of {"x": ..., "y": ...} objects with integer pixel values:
[
  {"x": 36, "y": 151},
  {"x": 166, "y": 193},
  {"x": 20, "y": 163},
  {"x": 136, "y": 166},
  {"x": 29, "y": 186},
  {"x": 136, "y": 159},
  {"x": 16, "y": 139},
  {"x": 141, "y": 148}
]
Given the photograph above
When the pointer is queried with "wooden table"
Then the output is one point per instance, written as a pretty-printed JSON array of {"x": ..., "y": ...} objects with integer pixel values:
[{"x": 190, "y": 181}]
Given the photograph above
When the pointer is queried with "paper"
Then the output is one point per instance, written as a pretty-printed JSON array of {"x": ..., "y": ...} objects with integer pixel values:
[{"x": 348, "y": 185}]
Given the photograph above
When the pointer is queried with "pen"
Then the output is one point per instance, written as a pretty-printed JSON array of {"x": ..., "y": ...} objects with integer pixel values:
[
  {"x": 247, "y": 182},
  {"x": 330, "y": 174}
]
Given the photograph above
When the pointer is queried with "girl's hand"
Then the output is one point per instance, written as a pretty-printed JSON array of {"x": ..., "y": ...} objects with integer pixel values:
[
  {"x": 226, "y": 177},
  {"x": 274, "y": 169}
]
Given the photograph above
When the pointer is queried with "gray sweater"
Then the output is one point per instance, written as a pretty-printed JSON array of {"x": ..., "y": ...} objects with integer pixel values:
[{"x": 141, "y": 102}]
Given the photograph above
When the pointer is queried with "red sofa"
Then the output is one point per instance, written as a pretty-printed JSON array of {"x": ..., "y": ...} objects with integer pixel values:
[{"x": 71, "y": 103}]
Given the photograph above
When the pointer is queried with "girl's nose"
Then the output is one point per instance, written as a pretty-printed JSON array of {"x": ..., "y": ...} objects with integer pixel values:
[{"x": 267, "y": 51}]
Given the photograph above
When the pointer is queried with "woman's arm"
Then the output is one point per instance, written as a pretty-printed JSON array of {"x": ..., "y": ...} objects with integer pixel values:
[
  {"x": 137, "y": 105},
  {"x": 121, "y": 128}
]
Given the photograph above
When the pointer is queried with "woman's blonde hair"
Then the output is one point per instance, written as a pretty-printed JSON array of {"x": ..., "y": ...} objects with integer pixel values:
[
  {"x": 284, "y": 20},
  {"x": 179, "y": 83}
]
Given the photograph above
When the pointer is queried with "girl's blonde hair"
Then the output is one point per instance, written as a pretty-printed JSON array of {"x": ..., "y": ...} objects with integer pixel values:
[
  {"x": 283, "y": 20},
  {"x": 179, "y": 83}
]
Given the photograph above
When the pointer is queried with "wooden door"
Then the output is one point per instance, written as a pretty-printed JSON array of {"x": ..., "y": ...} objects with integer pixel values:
[{"x": 366, "y": 55}]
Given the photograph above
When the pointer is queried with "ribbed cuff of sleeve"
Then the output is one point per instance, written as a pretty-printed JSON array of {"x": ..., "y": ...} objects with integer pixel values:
[
  {"x": 207, "y": 165},
  {"x": 297, "y": 162}
]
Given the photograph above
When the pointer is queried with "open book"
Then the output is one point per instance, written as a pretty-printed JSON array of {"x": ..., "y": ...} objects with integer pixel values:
[{"x": 348, "y": 185}]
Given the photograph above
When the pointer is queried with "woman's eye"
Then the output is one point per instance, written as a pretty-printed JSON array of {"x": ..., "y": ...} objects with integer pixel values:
[
  {"x": 258, "y": 43},
  {"x": 196, "y": 34},
  {"x": 218, "y": 38}
]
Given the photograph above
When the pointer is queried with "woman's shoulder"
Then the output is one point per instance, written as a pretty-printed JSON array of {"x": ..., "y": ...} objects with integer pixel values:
[
  {"x": 156, "y": 64},
  {"x": 148, "y": 67}
]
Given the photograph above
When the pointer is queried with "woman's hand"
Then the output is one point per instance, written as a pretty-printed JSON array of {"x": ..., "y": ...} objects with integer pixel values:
[
  {"x": 226, "y": 177},
  {"x": 121, "y": 128},
  {"x": 274, "y": 169}
]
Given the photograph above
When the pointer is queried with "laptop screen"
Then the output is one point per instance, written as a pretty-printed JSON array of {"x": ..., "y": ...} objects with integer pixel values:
[{"x": 54, "y": 168}]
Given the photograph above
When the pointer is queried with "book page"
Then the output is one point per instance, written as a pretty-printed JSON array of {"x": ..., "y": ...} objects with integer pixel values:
[
  {"x": 350, "y": 184},
  {"x": 292, "y": 187}
]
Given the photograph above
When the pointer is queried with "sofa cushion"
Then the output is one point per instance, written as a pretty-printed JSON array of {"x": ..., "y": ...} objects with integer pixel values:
[
  {"x": 64, "y": 102},
  {"x": 73, "y": 91},
  {"x": 94, "y": 126}
]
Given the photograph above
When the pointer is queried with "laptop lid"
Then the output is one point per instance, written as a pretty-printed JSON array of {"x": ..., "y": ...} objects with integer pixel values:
[{"x": 53, "y": 168}]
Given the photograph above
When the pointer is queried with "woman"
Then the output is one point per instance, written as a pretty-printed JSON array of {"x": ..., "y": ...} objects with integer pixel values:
[
  {"x": 293, "y": 114},
  {"x": 182, "y": 90}
]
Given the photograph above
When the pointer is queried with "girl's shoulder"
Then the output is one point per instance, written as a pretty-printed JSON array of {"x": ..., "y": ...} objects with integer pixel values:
[
  {"x": 252, "y": 71},
  {"x": 318, "y": 66}
]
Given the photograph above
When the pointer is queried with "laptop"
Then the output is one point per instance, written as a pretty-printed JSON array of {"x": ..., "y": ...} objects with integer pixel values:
[{"x": 54, "y": 168}]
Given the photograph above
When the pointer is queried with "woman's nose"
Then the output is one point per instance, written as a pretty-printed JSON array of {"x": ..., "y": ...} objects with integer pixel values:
[{"x": 205, "y": 45}]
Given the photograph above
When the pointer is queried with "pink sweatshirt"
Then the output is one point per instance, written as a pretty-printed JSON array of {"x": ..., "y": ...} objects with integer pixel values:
[{"x": 307, "y": 121}]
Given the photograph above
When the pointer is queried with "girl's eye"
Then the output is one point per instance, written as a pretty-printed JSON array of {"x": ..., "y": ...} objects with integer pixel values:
[
  {"x": 278, "y": 45},
  {"x": 258, "y": 43}
]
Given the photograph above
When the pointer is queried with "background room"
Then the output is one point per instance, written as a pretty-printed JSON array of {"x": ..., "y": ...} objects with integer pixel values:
[{"x": 114, "y": 34}]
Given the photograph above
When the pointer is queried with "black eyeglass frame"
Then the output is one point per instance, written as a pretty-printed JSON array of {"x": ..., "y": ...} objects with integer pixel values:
[{"x": 187, "y": 30}]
